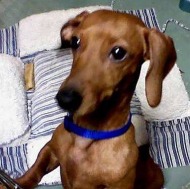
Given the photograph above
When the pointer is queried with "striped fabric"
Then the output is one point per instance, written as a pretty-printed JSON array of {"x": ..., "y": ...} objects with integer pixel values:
[
  {"x": 170, "y": 142},
  {"x": 13, "y": 160},
  {"x": 135, "y": 105},
  {"x": 148, "y": 16},
  {"x": 51, "y": 68},
  {"x": 8, "y": 40},
  {"x": 29, "y": 58}
]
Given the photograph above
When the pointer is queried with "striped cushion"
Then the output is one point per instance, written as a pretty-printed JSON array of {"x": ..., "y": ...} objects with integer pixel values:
[
  {"x": 170, "y": 142},
  {"x": 148, "y": 16},
  {"x": 13, "y": 160},
  {"x": 51, "y": 68},
  {"x": 8, "y": 40}
]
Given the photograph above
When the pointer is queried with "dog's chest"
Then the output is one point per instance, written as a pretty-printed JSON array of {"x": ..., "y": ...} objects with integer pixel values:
[{"x": 99, "y": 164}]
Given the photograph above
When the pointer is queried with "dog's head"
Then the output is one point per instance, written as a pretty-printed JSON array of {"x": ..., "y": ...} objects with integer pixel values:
[{"x": 108, "y": 51}]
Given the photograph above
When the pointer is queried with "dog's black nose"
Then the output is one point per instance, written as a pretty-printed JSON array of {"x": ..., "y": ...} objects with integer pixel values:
[{"x": 69, "y": 99}]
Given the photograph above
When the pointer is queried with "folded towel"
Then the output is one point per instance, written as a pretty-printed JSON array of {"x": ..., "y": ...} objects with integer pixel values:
[
  {"x": 42, "y": 31},
  {"x": 175, "y": 100},
  {"x": 13, "y": 110},
  {"x": 33, "y": 148}
]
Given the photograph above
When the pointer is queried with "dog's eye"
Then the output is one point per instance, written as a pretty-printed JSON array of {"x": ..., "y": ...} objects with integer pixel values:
[
  {"x": 75, "y": 42},
  {"x": 118, "y": 53}
]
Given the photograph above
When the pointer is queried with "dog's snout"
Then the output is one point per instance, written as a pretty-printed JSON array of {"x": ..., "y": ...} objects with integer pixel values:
[{"x": 69, "y": 99}]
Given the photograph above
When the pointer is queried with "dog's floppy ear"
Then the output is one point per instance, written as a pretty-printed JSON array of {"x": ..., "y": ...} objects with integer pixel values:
[
  {"x": 68, "y": 28},
  {"x": 160, "y": 50}
]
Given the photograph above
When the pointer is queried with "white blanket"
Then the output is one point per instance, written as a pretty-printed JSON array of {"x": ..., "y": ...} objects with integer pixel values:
[
  {"x": 175, "y": 100},
  {"x": 13, "y": 109},
  {"x": 42, "y": 31}
]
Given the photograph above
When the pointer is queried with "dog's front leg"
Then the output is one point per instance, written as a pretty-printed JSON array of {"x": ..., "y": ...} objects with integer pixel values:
[{"x": 45, "y": 163}]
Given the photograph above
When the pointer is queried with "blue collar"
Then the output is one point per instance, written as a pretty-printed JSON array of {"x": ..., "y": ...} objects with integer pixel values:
[{"x": 93, "y": 134}]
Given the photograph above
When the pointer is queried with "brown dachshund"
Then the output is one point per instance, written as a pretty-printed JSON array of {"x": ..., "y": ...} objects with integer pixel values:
[{"x": 95, "y": 147}]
